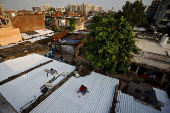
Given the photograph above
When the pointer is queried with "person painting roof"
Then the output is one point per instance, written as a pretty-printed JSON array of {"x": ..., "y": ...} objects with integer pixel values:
[{"x": 83, "y": 90}]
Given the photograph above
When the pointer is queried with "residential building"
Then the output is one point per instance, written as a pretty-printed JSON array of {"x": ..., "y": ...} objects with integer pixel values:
[
  {"x": 36, "y": 9},
  {"x": 46, "y": 7},
  {"x": 162, "y": 15},
  {"x": 85, "y": 7},
  {"x": 1, "y": 9},
  {"x": 60, "y": 9},
  {"x": 152, "y": 9},
  {"x": 73, "y": 7}
]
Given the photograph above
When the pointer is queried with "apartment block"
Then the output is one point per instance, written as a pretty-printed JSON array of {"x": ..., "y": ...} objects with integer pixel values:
[
  {"x": 1, "y": 9},
  {"x": 36, "y": 9},
  {"x": 162, "y": 15},
  {"x": 46, "y": 7},
  {"x": 152, "y": 9},
  {"x": 84, "y": 7}
]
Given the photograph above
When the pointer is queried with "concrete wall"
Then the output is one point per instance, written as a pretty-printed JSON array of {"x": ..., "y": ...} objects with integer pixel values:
[
  {"x": 29, "y": 22},
  {"x": 9, "y": 35},
  {"x": 133, "y": 86},
  {"x": 68, "y": 48},
  {"x": 155, "y": 56}
]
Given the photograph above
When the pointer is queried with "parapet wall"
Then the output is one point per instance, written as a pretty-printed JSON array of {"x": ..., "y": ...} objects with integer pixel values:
[
  {"x": 9, "y": 35},
  {"x": 29, "y": 22}
]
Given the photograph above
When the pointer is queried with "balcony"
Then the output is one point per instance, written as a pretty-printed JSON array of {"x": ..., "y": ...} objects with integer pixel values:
[{"x": 168, "y": 11}]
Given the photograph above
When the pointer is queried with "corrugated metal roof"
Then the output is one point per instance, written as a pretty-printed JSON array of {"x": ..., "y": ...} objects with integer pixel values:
[
  {"x": 127, "y": 104},
  {"x": 65, "y": 99},
  {"x": 18, "y": 65},
  {"x": 22, "y": 90}
]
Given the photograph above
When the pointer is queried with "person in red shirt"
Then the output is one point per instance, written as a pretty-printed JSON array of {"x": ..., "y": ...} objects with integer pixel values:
[{"x": 83, "y": 90}]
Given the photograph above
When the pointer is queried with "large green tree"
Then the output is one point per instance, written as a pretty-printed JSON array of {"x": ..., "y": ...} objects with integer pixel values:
[
  {"x": 72, "y": 23},
  {"x": 51, "y": 9},
  {"x": 134, "y": 13},
  {"x": 110, "y": 45},
  {"x": 96, "y": 19}
]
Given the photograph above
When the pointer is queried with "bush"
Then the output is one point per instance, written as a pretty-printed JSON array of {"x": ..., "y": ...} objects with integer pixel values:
[
  {"x": 62, "y": 29},
  {"x": 55, "y": 29},
  {"x": 137, "y": 80}
]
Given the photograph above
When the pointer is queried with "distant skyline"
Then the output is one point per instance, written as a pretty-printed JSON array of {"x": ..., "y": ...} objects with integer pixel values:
[{"x": 28, "y": 4}]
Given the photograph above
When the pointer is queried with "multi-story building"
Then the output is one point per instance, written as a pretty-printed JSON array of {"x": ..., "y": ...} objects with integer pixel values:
[
  {"x": 85, "y": 7},
  {"x": 73, "y": 7},
  {"x": 46, "y": 7},
  {"x": 1, "y": 9},
  {"x": 152, "y": 9},
  {"x": 36, "y": 9},
  {"x": 162, "y": 15},
  {"x": 60, "y": 9}
]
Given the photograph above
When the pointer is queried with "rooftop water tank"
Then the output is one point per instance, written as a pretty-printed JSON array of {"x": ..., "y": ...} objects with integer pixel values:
[{"x": 164, "y": 39}]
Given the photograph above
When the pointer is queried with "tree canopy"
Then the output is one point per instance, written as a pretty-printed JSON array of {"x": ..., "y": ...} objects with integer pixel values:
[
  {"x": 96, "y": 19},
  {"x": 134, "y": 13},
  {"x": 52, "y": 9},
  {"x": 110, "y": 45},
  {"x": 72, "y": 23}
]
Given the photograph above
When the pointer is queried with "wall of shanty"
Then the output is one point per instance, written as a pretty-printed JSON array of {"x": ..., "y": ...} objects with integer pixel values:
[
  {"x": 132, "y": 87},
  {"x": 5, "y": 19},
  {"x": 9, "y": 35},
  {"x": 29, "y": 22}
]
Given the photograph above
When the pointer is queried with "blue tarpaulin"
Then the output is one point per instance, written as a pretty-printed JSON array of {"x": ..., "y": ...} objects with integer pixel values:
[{"x": 70, "y": 40}]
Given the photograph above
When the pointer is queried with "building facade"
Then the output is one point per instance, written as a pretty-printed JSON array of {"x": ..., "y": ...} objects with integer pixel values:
[
  {"x": 36, "y": 9},
  {"x": 60, "y": 9},
  {"x": 1, "y": 9},
  {"x": 162, "y": 15},
  {"x": 84, "y": 7},
  {"x": 46, "y": 7},
  {"x": 152, "y": 9}
]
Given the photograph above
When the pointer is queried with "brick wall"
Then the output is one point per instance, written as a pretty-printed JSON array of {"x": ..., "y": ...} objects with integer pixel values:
[
  {"x": 29, "y": 22},
  {"x": 9, "y": 35}
]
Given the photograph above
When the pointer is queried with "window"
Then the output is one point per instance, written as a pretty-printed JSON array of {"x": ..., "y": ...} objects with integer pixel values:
[{"x": 168, "y": 7}]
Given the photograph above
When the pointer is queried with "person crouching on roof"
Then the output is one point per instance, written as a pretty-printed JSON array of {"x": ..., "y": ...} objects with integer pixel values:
[{"x": 83, "y": 90}]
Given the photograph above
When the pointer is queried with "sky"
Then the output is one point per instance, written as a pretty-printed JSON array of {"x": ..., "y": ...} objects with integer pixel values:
[{"x": 28, "y": 4}]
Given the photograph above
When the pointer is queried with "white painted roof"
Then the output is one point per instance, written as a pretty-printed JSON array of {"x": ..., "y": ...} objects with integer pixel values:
[
  {"x": 18, "y": 65},
  {"x": 127, "y": 104},
  {"x": 22, "y": 90},
  {"x": 162, "y": 96},
  {"x": 44, "y": 31},
  {"x": 65, "y": 99},
  {"x": 25, "y": 36}
]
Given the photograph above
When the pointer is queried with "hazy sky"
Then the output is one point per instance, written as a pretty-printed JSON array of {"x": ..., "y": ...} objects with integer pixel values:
[{"x": 28, "y": 4}]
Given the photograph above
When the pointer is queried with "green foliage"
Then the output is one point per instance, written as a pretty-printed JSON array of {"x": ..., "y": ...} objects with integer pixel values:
[
  {"x": 96, "y": 19},
  {"x": 62, "y": 29},
  {"x": 52, "y": 9},
  {"x": 134, "y": 13},
  {"x": 55, "y": 29},
  {"x": 110, "y": 45},
  {"x": 72, "y": 23},
  {"x": 137, "y": 80}
]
